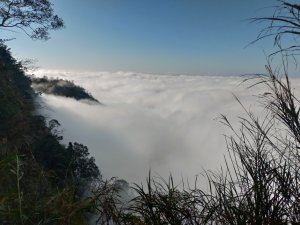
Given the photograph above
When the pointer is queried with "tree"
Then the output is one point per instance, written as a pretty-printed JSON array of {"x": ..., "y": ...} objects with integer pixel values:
[
  {"x": 34, "y": 17},
  {"x": 81, "y": 166}
]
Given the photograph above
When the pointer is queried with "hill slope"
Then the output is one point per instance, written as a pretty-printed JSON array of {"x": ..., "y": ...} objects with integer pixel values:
[{"x": 41, "y": 179}]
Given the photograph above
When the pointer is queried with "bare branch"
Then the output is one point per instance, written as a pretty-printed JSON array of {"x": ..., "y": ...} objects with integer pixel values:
[{"x": 34, "y": 18}]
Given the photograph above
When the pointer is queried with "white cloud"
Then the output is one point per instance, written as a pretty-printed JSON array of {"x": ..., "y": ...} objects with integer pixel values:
[{"x": 162, "y": 122}]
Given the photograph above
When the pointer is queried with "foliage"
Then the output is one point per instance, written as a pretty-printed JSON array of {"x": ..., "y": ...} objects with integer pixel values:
[
  {"x": 15, "y": 102},
  {"x": 34, "y": 17},
  {"x": 261, "y": 182},
  {"x": 108, "y": 203},
  {"x": 163, "y": 202},
  {"x": 82, "y": 169},
  {"x": 283, "y": 25},
  {"x": 72, "y": 163},
  {"x": 81, "y": 166},
  {"x": 41, "y": 180},
  {"x": 35, "y": 199}
]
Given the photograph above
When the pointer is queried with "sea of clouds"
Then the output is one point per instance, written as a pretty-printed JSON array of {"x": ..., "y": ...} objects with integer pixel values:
[{"x": 166, "y": 123}]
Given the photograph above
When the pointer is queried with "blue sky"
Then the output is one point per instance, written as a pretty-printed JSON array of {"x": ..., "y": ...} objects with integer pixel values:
[{"x": 154, "y": 36}]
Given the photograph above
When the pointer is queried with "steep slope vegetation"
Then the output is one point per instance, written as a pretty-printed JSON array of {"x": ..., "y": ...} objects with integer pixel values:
[{"x": 42, "y": 181}]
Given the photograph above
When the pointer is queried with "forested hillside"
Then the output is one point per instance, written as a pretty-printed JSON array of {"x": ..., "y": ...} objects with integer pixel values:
[{"x": 42, "y": 181}]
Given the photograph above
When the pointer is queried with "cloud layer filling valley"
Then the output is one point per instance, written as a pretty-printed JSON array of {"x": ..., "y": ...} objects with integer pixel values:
[{"x": 163, "y": 122}]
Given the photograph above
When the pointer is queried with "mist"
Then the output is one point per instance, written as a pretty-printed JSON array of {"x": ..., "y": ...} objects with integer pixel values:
[{"x": 166, "y": 123}]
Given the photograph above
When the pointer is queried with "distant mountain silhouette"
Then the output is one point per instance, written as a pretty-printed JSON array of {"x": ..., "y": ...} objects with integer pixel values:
[{"x": 61, "y": 87}]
